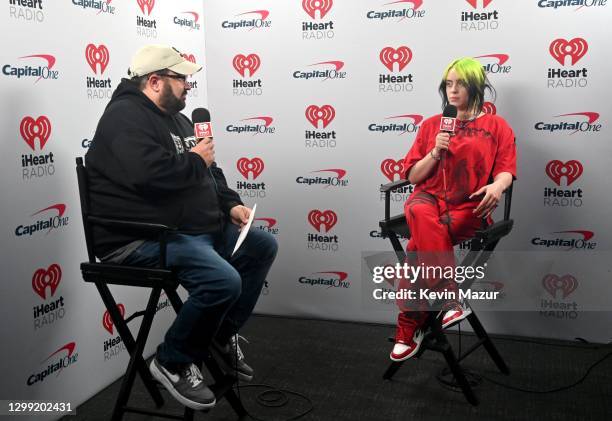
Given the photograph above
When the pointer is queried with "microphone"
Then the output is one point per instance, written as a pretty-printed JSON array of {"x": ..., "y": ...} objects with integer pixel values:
[
  {"x": 202, "y": 127},
  {"x": 449, "y": 119}
]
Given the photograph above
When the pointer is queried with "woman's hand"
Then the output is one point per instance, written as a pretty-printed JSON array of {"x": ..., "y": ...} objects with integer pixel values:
[
  {"x": 492, "y": 194},
  {"x": 442, "y": 142}
]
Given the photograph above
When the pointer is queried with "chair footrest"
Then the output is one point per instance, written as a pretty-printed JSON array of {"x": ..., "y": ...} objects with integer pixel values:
[{"x": 223, "y": 386}]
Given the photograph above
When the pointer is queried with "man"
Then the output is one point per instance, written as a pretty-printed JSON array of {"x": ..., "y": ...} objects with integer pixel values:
[{"x": 145, "y": 164}]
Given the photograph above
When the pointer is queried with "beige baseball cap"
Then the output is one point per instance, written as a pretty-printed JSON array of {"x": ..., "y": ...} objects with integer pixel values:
[{"x": 154, "y": 57}]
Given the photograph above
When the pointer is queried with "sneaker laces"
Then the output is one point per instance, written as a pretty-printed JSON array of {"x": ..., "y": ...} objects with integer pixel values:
[
  {"x": 235, "y": 347},
  {"x": 193, "y": 375}
]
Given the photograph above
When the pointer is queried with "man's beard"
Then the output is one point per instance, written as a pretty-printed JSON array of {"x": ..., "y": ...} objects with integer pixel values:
[{"x": 170, "y": 102}]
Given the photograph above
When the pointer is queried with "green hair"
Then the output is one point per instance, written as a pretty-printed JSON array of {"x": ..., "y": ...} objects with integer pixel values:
[{"x": 472, "y": 75}]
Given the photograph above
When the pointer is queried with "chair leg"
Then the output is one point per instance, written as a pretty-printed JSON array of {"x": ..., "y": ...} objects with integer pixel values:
[
  {"x": 136, "y": 358},
  {"x": 130, "y": 343},
  {"x": 392, "y": 369},
  {"x": 488, "y": 344}
]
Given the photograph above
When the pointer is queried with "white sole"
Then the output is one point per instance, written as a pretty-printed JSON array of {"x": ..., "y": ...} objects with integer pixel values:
[
  {"x": 414, "y": 351},
  {"x": 454, "y": 322},
  {"x": 159, "y": 376}
]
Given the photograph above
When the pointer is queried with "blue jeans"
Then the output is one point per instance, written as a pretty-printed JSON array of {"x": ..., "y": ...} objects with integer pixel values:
[{"x": 223, "y": 289}]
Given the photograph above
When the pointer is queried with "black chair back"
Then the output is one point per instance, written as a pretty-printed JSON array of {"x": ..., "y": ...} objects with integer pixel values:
[{"x": 84, "y": 198}]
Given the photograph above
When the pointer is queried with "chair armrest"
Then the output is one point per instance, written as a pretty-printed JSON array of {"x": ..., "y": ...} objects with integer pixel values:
[
  {"x": 495, "y": 231},
  {"x": 389, "y": 187}
]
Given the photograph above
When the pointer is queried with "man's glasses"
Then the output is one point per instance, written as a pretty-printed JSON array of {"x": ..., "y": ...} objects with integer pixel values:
[{"x": 182, "y": 78}]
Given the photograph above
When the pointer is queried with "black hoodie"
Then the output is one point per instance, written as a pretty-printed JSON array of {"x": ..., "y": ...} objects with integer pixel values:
[{"x": 140, "y": 169}]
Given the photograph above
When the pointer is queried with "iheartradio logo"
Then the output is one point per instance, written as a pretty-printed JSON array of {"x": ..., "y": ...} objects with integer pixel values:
[
  {"x": 31, "y": 130},
  {"x": 146, "y": 6},
  {"x": 575, "y": 48},
  {"x": 97, "y": 56},
  {"x": 314, "y": 7},
  {"x": 571, "y": 170},
  {"x": 474, "y": 3},
  {"x": 489, "y": 108},
  {"x": 566, "y": 284},
  {"x": 390, "y": 56},
  {"x": 392, "y": 169},
  {"x": 44, "y": 278},
  {"x": 243, "y": 63},
  {"x": 107, "y": 321},
  {"x": 322, "y": 221},
  {"x": 254, "y": 166},
  {"x": 324, "y": 114}
]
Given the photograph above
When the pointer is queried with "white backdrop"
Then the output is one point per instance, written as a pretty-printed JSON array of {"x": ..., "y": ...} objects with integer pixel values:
[{"x": 308, "y": 115}]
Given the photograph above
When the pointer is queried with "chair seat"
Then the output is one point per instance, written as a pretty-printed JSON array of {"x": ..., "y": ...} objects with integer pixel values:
[
  {"x": 396, "y": 224},
  {"x": 128, "y": 275}
]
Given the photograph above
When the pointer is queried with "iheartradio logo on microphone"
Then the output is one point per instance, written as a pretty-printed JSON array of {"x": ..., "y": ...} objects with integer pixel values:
[
  {"x": 568, "y": 53},
  {"x": 246, "y": 66},
  {"x": 411, "y": 124},
  {"x": 322, "y": 222},
  {"x": 329, "y": 279},
  {"x": 27, "y": 11},
  {"x": 320, "y": 117},
  {"x": 560, "y": 288},
  {"x": 251, "y": 169},
  {"x": 558, "y": 171},
  {"x": 485, "y": 20},
  {"x": 112, "y": 346},
  {"x": 255, "y": 125},
  {"x": 146, "y": 27},
  {"x": 395, "y": 60},
  {"x": 188, "y": 20},
  {"x": 316, "y": 29},
  {"x": 334, "y": 177},
  {"x": 324, "y": 70},
  {"x": 36, "y": 132},
  {"x": 495, "y": 63},
  {"x": 38, "y": 66},
  {"x": 571, "y": 240},
  {"x": 98, "y": 57},
  {"x": 254, "y": 19},
  {"x": 45, "y": 282},
  {"x": 398, "y": 10},
  {"x": 62, "y": 358},
  {"x": 54, "y": 219},
  {"x": 269, "y": 225}
]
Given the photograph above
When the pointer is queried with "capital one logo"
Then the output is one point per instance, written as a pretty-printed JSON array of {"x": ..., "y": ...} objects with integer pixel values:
[
  {"x": 392, "y": 169},
  {"x": 322, "y": 221},
  {"x": 32, "y": 130},
  {"x": 575, "y": 48},
  {"x": 324, "y": 114},
  {"x": 474, "y": 3},
  {"x": 254, "y": 166},
  {"x": 571, "y": 170},
  {"x": 390, "y": 56},
  {"x": 269, "y": 223},
  {"x": 312, "y": 7},
  {"x": 44, "y": 278},
  {"x": 107, "y": 321},
  {"x": 501, "y": 58},
  {"x": 243, "y": 63},
  {"x": 146, "y": 5},
  {"x": 553, "y": 283},
  {"x": 489, "y": 108},
  {"x": 97, "y": 56}
]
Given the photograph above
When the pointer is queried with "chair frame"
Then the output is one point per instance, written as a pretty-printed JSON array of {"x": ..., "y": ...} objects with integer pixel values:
[
  {"x": 481, "y": 247},
  {"x": 157, "y": 279}
]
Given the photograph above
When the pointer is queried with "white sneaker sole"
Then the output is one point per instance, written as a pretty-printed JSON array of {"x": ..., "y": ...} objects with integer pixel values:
[
  {"x": 417, "y": 341},
  {"x": 457, "y": 320},
  {"x": 159, "y": 376}
]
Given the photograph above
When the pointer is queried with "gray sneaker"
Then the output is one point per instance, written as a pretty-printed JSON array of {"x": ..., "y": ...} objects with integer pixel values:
[
  {"x": 231, "y": 358},
  {"x": 187, "y": 386}
]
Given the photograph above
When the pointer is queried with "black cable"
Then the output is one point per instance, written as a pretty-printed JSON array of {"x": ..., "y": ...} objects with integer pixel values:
[{"x": 271, "y": 398}]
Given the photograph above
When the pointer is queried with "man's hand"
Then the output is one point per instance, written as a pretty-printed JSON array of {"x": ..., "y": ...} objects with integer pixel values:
[
  {"x": 206, "y": 149},
  {"x": 492, "y": 193},
  {"x": 240, "y": 215}
]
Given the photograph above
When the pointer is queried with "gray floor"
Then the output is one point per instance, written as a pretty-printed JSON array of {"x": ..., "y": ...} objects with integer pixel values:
[{"x": 339, "y": 367}]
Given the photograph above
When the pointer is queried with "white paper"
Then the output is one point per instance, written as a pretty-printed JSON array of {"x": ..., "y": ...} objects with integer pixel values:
[{"x": 245, "y": 229}]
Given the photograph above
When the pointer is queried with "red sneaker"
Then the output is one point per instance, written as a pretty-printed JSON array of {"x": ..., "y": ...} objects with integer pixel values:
[
  {"x": 408, "y": 335},
  {"x": 456, "y": 312}
]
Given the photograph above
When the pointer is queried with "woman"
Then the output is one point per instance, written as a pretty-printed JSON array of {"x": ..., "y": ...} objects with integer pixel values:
[{"x": 459, "y": 179}]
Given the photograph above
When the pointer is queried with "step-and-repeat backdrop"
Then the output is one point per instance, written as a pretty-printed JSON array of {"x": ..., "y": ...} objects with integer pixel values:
[{"x": 313, "y": 102}]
